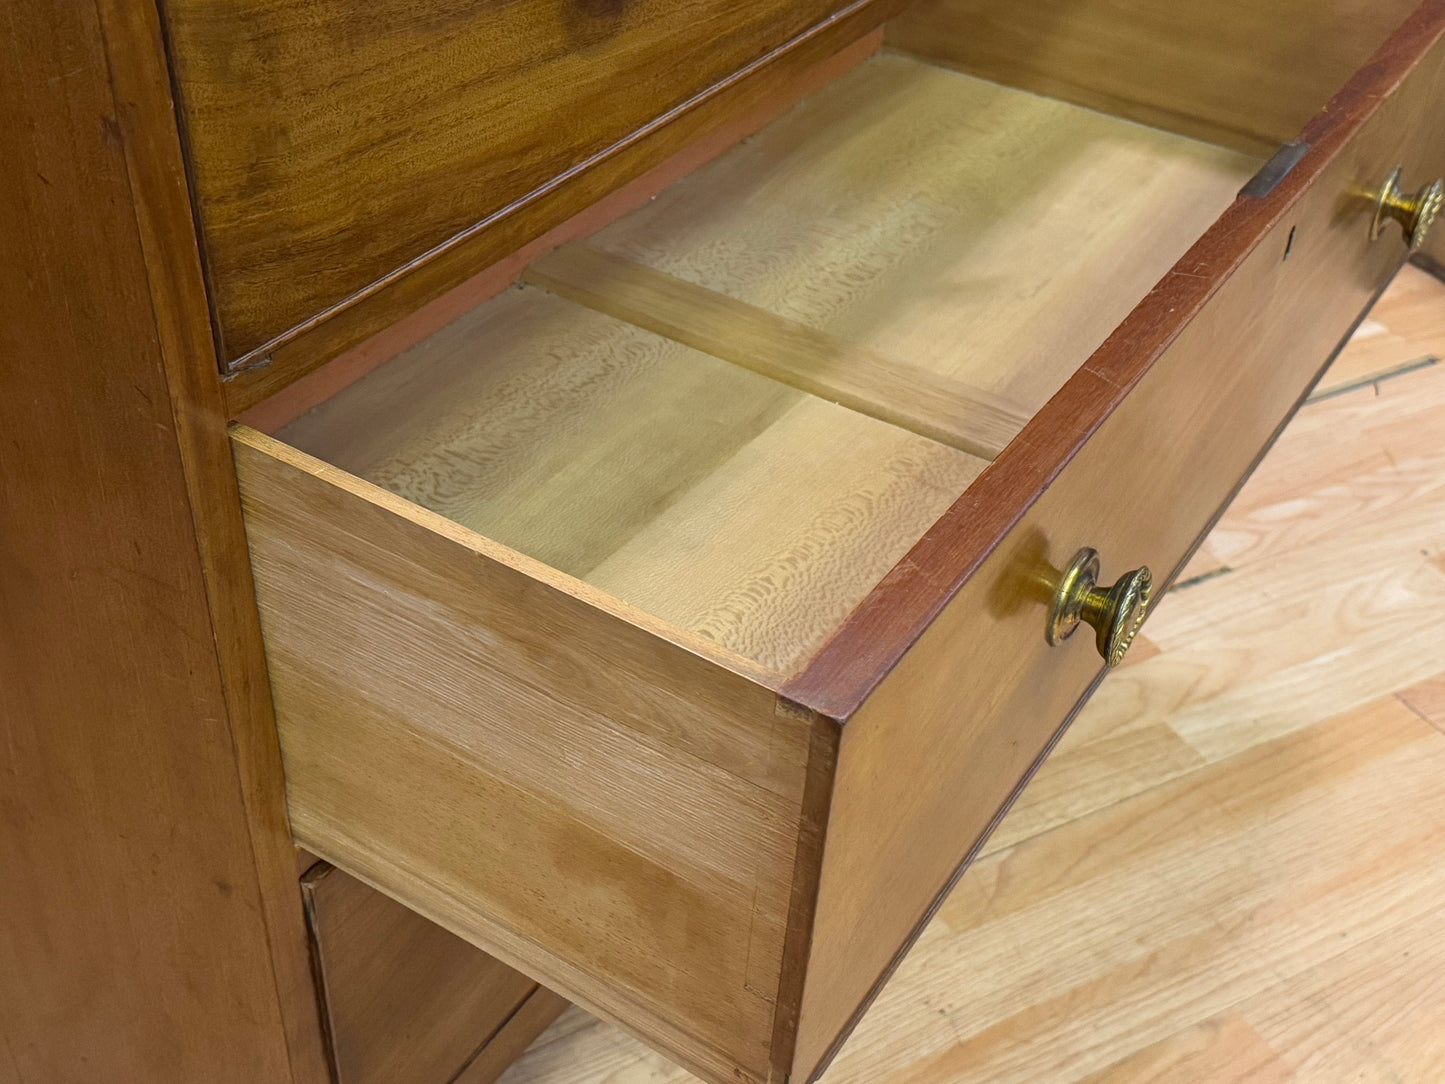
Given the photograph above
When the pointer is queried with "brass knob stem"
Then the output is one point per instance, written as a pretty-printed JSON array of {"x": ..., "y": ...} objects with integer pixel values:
[
  {"x": 1114, "y": 612},
  {"x": 1415, "y": 214}
]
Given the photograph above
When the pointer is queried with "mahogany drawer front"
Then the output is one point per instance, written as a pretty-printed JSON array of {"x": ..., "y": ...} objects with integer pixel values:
[
  {"x": 723, "y": 855},
  {"x": 333, "y": 142},
  {"x": 405, "y": 999},
  {"x": 1223, "y": 352}
]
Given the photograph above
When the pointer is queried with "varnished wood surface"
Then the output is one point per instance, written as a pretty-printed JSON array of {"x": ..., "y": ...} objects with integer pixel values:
[
  {"x": 352, "y": 343},
  {"x": 1230, "y": 869},
  {"x": 400, "y": 113},
  {"x": 934, "y": 222},
  {"x": 1243, "y": 74},
  {"x": 150, "y": 927},
  {"x": 146, "y": 113},
  {"x": 980, "y": 687},
  {"x": 405, "y": 999},
  {"x": 701, "y": 493},
  {"x": 531, "y": 764},
  {"x": 252, "y": 394},
  {"x": 333, "y": 142}
]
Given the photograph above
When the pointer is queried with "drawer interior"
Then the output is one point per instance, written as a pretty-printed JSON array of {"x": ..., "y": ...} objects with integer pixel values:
[{"x": 737, "y": 407}]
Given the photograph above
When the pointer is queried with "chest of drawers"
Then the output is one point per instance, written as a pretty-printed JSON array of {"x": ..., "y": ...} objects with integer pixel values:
[
  {"x": 684, "y": 450},
  {"x": 675, "y": 623}
]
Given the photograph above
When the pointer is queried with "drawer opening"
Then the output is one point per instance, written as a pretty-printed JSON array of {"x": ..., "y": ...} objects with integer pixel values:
[{"x": 739, "y": 406}]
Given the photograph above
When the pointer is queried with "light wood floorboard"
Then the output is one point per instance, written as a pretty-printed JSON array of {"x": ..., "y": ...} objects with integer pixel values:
[{"x": 1232, "y": 868}]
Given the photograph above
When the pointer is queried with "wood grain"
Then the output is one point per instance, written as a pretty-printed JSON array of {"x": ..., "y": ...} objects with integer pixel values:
[
  {"x": 648, "y": 874},
  {"x": 1182, "y": 902},
  {"x": 780, "y": 76},
  {"x": 1341, "y": 489},
  {"x": 404, "y": 998},
  {"x": 150, "y": 918},
  {"x": 1379, "y": 1028},
  {"x": 1080, "y": 778},
  {"x": 146, "y": 114},
  {"x": 1116, "y": 972},
  {"x": 1369, "y": 122},
  {"x": 939, "y": 223},
  {"x": 1225, "y": 1048},
  {"x": 1381, "y": 608},
  {"x": 1264, "y": 919},
  {"x": 293, "y": 111},
  {"x": 1348, "y": 546},
  {"x": 1373, "y": 1012},
  {"x": 915, "y": 399},
  {"x": 1247, "y": 75},
  {"x": 246, "y": 388},
  {"x": 1199, "y": 375},
  {"x": 704, "y": 494},
  {"x": 334, "y": 142},
  {"x": 375, "y": 329}
]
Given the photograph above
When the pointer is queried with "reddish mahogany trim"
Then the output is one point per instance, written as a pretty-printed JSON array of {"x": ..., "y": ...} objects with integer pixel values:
[{"x": 895, "y": 614}]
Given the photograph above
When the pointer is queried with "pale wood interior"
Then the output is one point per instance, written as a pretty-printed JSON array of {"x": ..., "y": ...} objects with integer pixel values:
[
  {"x": 1236, "y": 72},
  {"x": 940, "y": 222},
  {"x": 710, "y": 496},
  {"x": 1231, "y": 868},
  {"x": 737, "y": 407}
]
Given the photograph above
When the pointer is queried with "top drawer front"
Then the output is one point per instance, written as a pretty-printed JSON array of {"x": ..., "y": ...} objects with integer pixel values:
[{"x": 333, "y": 141}]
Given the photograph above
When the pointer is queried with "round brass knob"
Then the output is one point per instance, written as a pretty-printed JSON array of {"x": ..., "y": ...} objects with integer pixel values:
[
  {"x": 1115, "y": 612},
  {"x": 1414, "y": 213}
]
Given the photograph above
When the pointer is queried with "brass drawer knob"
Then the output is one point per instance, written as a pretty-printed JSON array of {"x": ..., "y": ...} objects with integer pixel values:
[
  {"x": 1115, "y": 612},
  {"x": 1414, "y": 213}
]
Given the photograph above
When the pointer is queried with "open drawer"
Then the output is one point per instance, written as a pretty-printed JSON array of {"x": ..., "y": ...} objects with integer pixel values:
[{"x": 673, "y": 625}]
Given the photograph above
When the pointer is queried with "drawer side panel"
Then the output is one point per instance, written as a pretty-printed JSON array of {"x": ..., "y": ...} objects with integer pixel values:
[{"x": 601, "y": 809}]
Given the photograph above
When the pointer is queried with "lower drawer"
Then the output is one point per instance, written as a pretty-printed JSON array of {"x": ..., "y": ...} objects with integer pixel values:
[
  {"x": 406, "y": 1000},
  {"x": 675, "y": 631}
]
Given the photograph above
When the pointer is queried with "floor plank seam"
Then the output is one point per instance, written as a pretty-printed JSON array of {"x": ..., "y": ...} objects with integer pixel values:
[
  {"x": 1156, "y": 784},
  {"x": 1374, "y": 380},
  {"x": 1418, "y": 713},
  {"x": 1203, "y": 577}
]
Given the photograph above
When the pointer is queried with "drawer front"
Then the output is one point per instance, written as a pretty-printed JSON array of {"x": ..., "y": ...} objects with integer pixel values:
[
  {"x": 331, "y": 142},
  {"x": 405, "y": 999},
  {"x": 1183, "y": 398}
]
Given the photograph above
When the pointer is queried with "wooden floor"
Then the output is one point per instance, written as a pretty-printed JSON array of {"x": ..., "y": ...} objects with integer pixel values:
[{"x": 1233, "y": 867}]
